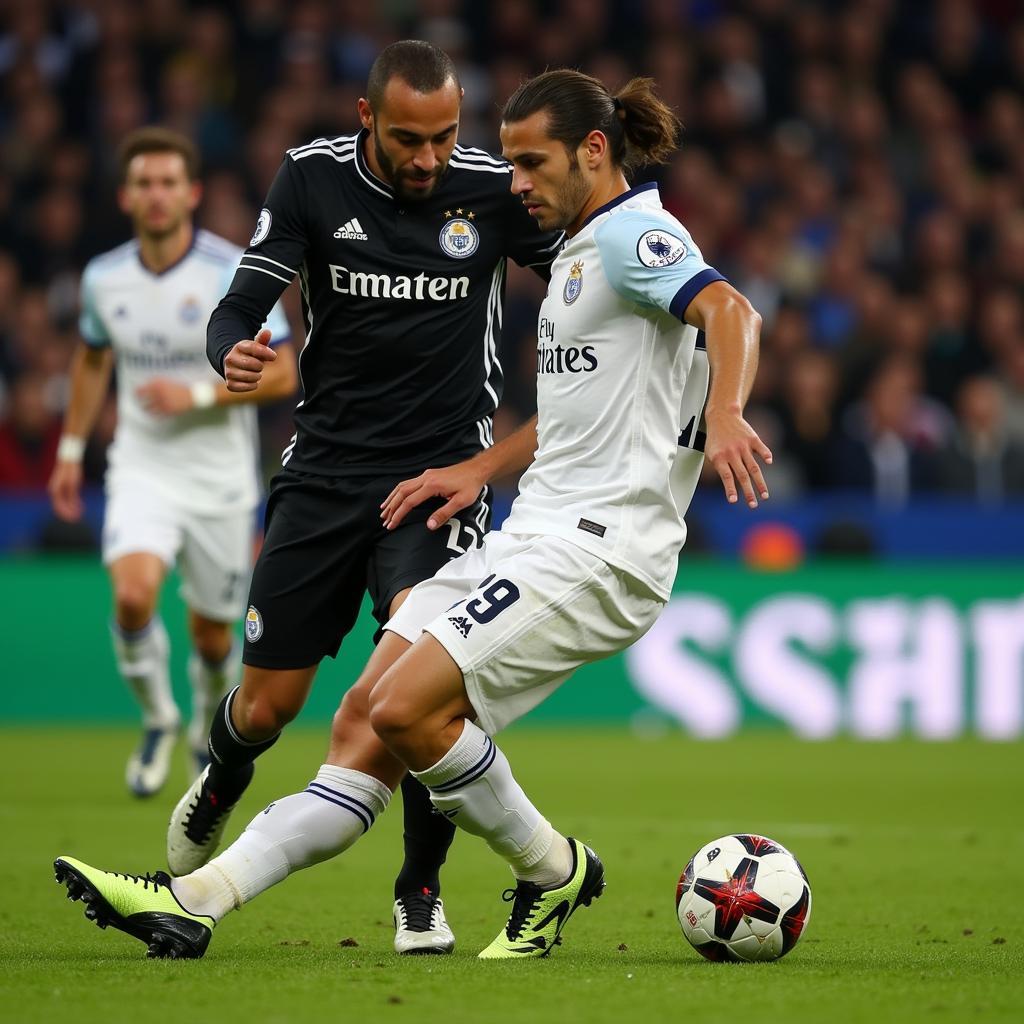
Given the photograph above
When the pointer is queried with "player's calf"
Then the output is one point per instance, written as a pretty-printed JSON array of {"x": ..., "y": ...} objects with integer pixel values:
[
  {"x": 295, "y": 832},
  {"x": 201, "y": 815}
]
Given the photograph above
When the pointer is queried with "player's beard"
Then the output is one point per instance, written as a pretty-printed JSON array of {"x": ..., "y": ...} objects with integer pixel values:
[
  {"x": 570, "y": 198},
  {"x": 395, "y": 178}
]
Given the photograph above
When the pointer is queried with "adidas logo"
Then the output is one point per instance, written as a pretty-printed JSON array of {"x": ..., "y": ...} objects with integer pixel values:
[{"x": 351, "y": 229}]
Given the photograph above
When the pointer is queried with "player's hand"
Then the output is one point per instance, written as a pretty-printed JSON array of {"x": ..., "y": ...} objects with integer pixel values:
[
  {"x": 65, "y": 489},
  {"x": 243, "y": 365},
  {"x": 460, "y": 484},
  {"x": 734, "y": 448},
  {"x": 164, "y": 397}
]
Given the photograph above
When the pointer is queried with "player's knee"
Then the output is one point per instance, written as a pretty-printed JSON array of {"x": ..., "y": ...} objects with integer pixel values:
[
  {"x": 395, "y": 719},
  {"x": 135, "y": 602},
  {"x": 263, "y": 715},
  {"x": 381, "y": 714}
]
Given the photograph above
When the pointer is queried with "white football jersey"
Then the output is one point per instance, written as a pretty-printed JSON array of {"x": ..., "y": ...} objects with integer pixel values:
[
  {"x": 621, "y": 388},
  {"x": 204, "y": 459}
]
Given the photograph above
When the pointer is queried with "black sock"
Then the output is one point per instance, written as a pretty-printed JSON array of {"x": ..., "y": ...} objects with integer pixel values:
[
  {"x": 428, "y": 835},
  {"x": 231, "y": 756}
]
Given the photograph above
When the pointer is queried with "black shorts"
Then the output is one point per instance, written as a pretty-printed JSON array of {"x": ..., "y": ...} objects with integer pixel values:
[{"x": 325, "y": 548}]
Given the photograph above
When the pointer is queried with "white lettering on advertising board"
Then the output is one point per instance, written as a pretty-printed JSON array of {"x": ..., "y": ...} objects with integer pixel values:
[{"x": 917, "y": 665}]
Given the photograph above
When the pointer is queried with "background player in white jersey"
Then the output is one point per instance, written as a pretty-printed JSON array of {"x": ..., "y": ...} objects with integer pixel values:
[
  {"x": 580, "y": 569},
  {"x": 182, "y": 482}
]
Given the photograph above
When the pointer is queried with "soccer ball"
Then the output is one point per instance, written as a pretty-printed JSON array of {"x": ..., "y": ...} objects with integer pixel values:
[{"x": 743, "y": 898}]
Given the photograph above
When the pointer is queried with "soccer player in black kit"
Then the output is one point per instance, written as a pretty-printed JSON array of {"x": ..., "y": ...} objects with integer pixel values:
[{"x": 399, "y": 238}]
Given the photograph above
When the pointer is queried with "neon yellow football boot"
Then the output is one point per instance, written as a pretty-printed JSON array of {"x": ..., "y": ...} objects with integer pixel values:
[
  {"x": 142, "y": 906},
  {"x": 538, "y": 915}
]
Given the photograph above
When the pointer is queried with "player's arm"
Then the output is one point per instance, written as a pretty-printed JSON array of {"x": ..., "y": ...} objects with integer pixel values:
[
  {"x": 462, "y": 483},
  {"x": 90, "y": 379},
  {"x": 234, "y": 344},
  {"x": 653, "y": 262},
  {"x": 732, "y": 328}
]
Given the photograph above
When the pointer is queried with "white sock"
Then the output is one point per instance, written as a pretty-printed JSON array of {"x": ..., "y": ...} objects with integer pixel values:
[
  {"x": 473, "y": 786},
  {"x": 210, "y": 681},
  {"x": 143, "y": 657},
  {"x": 337, "y": 807}
]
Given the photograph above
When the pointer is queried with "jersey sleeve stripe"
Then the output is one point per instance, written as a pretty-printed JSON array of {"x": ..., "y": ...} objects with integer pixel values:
[
  {"x": 470, "y": 158},
  {"x": 261, "y": 270},
  {"x": 267, "y": 259},
  {"x": 686, "y": 294},
  {"x": 340, "y": 144},
  {"x": 480, "y": 156},
  {"x": 463, "y": 165},
  {"x": 351, "y": 155}
]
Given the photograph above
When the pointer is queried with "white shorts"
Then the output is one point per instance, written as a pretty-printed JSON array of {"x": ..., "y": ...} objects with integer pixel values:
[
  {"x": 521, "y": 614},
  {"x": 213, "y": 553}
]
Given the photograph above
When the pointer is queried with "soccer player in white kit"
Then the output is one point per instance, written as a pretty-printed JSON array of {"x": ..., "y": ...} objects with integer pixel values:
[
  {"x": 182, "y": 482},
  {"x": 580, "y": 569}
]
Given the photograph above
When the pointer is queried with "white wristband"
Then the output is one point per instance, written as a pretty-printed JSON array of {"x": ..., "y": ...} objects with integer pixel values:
[
  {"x": 70, "y": 448},
  {"x": 204, "y": 394}
]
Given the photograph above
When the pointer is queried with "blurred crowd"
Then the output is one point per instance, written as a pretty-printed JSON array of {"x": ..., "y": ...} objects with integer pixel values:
[{"x": 856, "y": 169}]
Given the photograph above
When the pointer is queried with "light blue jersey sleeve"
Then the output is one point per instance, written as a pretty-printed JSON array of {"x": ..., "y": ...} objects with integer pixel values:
[
  {"x": 90, "y": 323},
  {"x": 652, "y": 261},
  {"x": 276, "y": 323}
]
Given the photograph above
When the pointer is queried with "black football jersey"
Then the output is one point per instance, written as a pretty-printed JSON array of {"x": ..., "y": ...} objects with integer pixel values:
[{"x": 402, "y": 300}]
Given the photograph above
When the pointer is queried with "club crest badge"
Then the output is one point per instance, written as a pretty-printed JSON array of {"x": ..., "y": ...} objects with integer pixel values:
[
  {"x": 459, "y": 237},
  {"x": 253, "y": 624},
  {"x": 573, "y": 283},
  {"x": 659, "y": 249},
  {"x": 262, "y": 227},
  {"x": 190, "y": 310}
]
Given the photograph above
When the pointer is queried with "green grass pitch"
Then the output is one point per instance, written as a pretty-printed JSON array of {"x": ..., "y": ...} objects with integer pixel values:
[{"x": 914, "y": 853}]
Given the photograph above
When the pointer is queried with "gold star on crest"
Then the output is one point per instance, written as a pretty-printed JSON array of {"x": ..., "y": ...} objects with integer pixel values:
[
  {"x": 459, "y": 211},
  {"x": 447, "y": 213},
  {"x": 470, "y": 215}
]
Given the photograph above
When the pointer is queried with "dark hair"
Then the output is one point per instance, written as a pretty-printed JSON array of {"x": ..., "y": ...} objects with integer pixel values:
[
  {"x": 420, "y": 65},
  {"x": 639, "y": 127},
  {"x": 154, "y": 139}
]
